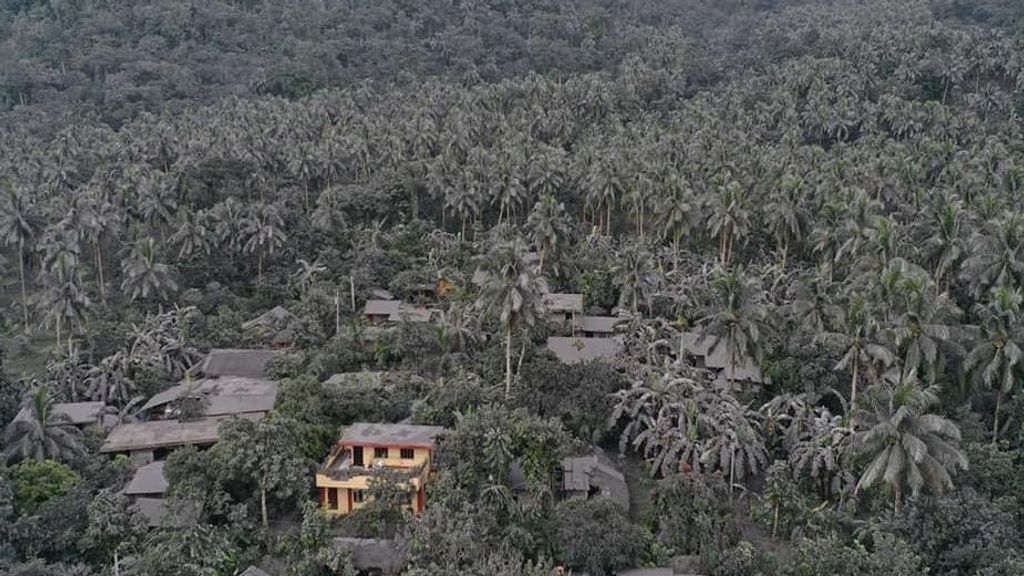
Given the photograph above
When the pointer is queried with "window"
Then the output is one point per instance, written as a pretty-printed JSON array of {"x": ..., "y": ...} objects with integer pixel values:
[
  {"x": 380, "y": 452},
  {"x": 407, "y": 453},
  {"x": 332, "y": 498},
  {"x": 358, "y": 496}
]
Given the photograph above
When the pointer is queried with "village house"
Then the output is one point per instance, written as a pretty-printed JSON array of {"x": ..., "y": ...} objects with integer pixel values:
[
  {"x": 402, "y": 451},
  {"x": 716, "y": 358},
  {"x": 565, "y": 310}
]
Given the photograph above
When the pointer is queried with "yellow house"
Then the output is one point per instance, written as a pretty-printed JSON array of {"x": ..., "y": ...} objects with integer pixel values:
[{"x": 368, "y": 450}]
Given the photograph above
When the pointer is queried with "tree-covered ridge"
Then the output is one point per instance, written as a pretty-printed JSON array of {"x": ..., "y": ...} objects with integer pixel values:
[{"x": 829, "y": 191}]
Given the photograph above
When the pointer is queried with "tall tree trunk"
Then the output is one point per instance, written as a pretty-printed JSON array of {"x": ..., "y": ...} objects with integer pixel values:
[
  {"x": 853, "y": 386},
  {"x": 58, "y": 331},
  {"x": 117, "y": 563},
  {"x": 24, "y": 291},
  {"x": 508, "y": 361},
  {"x": 608, "y": 219},
  {"x": 785, "y": 253},
  {"x": 675, "y": 250},
  {"x": 99, "y": 270},
  {"x": 259, "y": 268},
  {"x": 995, "y": 418},
  {"x": 263, "y": 509}
]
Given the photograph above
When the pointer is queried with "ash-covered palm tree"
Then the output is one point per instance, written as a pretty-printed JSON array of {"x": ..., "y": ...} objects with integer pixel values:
[
  {"x": 264, "y": 234},
  {"x": 19, "y": 226},
  {"x": 194, "y": 236},
  {"x": 995, "y": 361},
  {"x": 739, "y": 317},
  {"x": 730, "y": 217},
  {"x": 636, "y": 276},
  {"x": 906, "y": 446},
  {"x": 513, "y": 292},
  {"x": 855, "y": 335},
  {"x": 144, "y": 275},
  {"x": 785, "y": 215},
  {"x": 996, "y": 254},
  {"x": 41, "y": 434},
  {"x": 549, "y": 230},
  {"x": 675, "y": 212}
]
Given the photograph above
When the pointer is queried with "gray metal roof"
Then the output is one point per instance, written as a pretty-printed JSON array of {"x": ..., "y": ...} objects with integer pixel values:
[
  {"x": 229, "y": 362},
  {"x": 573, "y": 350},
  {"x": 148, "y": 480},
  {"x": 600, "y": 324},
  {"x": 165, "y": 434},
  {"x": 564, "y": 303},
  {"x": 77, "y": 413},
  {"x": 391, "y": 434},
  {"x": 717, "y": 357},
  {"x": 276, "y": 317},
  {"x": 236, "y": 393},
  {"x": 381, "y": 307},
  {"x": 373, "y": 554},
  {"x": 409, "y": 313}
]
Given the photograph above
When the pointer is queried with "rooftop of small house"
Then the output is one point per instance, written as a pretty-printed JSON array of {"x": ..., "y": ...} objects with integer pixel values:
[
  {"x": 381, "y": 307},
  {"x": 248, "y": 363},
  {"x": 75, "y": 413},
  {"x": 564, "y": 303},
  {"x": 166, "y": 434},
  {"x": 402, "y": 435},
  {"x": 372, "y": 554},
  {"x": 716, "y": 356},
  {"x": 159, "y": 513},
  {"x": 572, "y": 350},
  {"x": 225, "y": 395},
  {"x": 600, "y": 324}
]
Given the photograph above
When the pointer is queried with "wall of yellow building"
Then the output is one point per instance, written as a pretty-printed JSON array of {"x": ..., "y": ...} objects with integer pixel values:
[
  {"x": 394, "y": 459},
  {"x": 343, "y": 506}
]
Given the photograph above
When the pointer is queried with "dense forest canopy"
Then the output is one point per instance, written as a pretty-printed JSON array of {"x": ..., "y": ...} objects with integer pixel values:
[{"x": 831, "y": 189}]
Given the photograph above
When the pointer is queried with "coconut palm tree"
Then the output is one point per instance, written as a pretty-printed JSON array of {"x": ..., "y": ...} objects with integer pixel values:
[
  {"x": 730, "y": 217},
  {"x": 785, "y": 215},
  {"x": 549, "y": 230},
  {"x": 636, "y": 276},
  {"x": 264, "y": 234},
  {"x": 19, "y": 226},
  {"x": 512, "y": 292},
  {"x": 996, "y": 359},
  {"x": 193, "y": 237},
  {"x": 906, "y": 447},
  {"x": 675, "y": 211},
  {"x": 63, "y": 301},
  {"x": 996, "y": 254},
  {"x": 40, "y": 433},
  {"x": 855, "y": 334},
  {"x": 144, "y": 276},
  {"x": 739, "y": 317}
]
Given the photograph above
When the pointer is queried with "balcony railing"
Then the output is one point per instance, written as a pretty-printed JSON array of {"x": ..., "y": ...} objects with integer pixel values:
[{"x": 340, "y": 467}]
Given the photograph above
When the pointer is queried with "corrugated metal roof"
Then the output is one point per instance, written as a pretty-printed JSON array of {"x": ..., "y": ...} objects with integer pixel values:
[
  {"x": 600, "y": 324},
  {"x": 165, "y": 434},
  {"x": 229, "y": 362},
  {"x": 391, "y": 434},
  {"x": 381, "y": 307},
  {"x": 227, "y": 386}
]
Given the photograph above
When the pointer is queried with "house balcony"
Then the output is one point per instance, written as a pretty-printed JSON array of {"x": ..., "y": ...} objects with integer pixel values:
[{"x": 341, "y": 468}]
